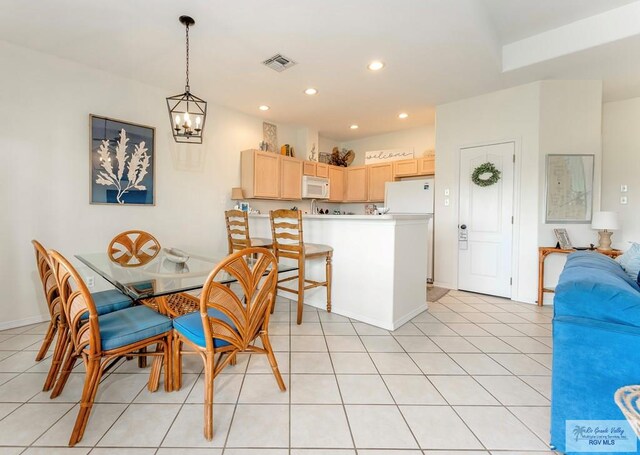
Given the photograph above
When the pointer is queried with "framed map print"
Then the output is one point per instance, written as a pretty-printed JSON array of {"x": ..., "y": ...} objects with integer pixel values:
[{"x": 569, "y": 197}]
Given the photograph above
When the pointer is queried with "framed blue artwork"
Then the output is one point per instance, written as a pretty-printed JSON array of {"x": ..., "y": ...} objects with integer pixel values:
[{"x": 122, "y": 162}]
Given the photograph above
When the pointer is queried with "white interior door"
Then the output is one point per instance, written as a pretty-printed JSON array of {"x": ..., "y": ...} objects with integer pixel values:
[{"x": 485, "y": 228}]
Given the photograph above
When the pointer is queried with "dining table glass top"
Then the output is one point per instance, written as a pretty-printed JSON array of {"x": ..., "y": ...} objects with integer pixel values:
[{"x": 161, "y": 275}]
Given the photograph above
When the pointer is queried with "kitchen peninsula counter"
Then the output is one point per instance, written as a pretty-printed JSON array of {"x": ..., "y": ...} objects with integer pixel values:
[{"x": 379, "y": 265}]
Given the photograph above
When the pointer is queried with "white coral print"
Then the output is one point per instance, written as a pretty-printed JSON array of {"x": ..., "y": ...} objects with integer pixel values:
[{"x": 111, "y": 174}]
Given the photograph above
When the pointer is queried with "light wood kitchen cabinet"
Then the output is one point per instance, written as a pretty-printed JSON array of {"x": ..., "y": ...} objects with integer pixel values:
[
  {"x": 379, "y": 174},
  {"x": 405, "y": 168},
  {"x": 356, "y": 187},
  {"x": 336, "y": 183},
  {"x": 322, "y": 170},
  {"x": 260, "y": 174},
  {"x": 309, "y": 168},
  {"x": 314, "y": 169},
  {"x": 427, "y": 165},
  {"x": 290, "y": 178}
]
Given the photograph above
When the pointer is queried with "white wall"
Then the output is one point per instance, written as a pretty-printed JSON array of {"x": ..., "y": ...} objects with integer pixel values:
[
  {"x": 621, "y": 166},
  {"x": 44, "y": 137},
  {"x": 326, "y": 144},
  {"x": 542, "y": 117},
  {"x": 570, "y": 123},
  {"x": 420, "y": 139},
  {"x": 511, "y": 114}
]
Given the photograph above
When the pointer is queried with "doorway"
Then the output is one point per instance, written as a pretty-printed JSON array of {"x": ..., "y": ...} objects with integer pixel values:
[{"x": 485, "y": 221}]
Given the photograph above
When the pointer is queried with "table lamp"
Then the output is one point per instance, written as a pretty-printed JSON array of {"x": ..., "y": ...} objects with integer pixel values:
[
  {"x": 605, "y": 222},
  {"x": 237, "y": 195}
]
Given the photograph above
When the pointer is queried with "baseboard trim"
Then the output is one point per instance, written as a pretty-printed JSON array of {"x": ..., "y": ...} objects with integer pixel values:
[{"x": 22, "y": 322}]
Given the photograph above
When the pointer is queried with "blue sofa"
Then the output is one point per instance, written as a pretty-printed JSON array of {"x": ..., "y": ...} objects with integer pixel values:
[{"x": 596, "y": 341}]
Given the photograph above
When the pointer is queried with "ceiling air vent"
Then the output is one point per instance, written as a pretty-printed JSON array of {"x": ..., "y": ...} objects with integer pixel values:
[{"x": 279, "y": 63}]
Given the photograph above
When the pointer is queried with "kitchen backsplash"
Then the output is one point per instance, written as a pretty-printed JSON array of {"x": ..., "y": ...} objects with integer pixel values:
[{"x": 305, "y": 205}]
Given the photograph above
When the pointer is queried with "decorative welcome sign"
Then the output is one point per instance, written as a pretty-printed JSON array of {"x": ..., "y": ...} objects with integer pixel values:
[{"x": 381, "y": 156}]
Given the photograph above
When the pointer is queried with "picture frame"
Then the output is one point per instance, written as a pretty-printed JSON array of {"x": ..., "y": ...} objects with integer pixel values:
[
  {"x": 563, "y": 238},
  {"x": 569, "y": 188},
  {"x": 270, "y": 136},
  {"x": 122, "y": 162}
]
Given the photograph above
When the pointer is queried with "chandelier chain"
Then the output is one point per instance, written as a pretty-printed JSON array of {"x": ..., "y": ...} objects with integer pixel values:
[{"x": 187, "y": 72}]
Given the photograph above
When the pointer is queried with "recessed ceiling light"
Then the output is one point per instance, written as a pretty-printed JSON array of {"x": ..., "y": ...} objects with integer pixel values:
[
  {"x": 264, "y": 107},
  {"x": 403, "y": 115},
  {"x": 375, "y": 65},
  {"x": 354, "y": 127},
  {"x": 311, "y": 91}
]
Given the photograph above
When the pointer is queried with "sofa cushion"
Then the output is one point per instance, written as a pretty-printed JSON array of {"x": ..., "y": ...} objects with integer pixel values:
[
  {"x": 630, "y": 261},
  {"x": 594, "y": 286}
]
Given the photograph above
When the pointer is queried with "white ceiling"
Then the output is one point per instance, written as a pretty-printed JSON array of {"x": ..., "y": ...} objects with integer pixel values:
[{"x": 435, "y": 51}]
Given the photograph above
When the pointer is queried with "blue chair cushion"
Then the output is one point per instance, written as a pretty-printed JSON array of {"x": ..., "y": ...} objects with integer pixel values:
[
  {"x": 110, "y": 301},
  {"x": 190, "y": 326},
  {"x": 594, "y": 286},
  {"x": 130, "y": 325}
]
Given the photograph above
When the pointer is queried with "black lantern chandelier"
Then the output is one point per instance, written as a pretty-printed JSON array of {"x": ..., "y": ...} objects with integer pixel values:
[{"x": 187, "y": 112}]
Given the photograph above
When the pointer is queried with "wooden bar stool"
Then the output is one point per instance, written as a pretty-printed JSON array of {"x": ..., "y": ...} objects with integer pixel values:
[
  {"x": 238, "y": 237},
  {"x": 288, "y": 242}
]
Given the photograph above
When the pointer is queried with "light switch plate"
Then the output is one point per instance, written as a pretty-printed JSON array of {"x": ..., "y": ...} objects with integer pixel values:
[
  {"x": 446, "y": 202},
  {"x": 623, "y": 200},
  {"x": 624, "y": 188},
  {"x": 446, "y": 191}
]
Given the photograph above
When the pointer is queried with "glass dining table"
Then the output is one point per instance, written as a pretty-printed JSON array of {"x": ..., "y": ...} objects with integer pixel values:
[{"x": 161, "y": 280}]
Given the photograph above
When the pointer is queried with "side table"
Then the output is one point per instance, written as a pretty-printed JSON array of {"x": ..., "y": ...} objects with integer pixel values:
[{"x": 545, "y": 251}]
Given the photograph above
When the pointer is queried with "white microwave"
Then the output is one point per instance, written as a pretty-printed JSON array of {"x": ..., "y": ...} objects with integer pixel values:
[{"x": 315, "y": 187}]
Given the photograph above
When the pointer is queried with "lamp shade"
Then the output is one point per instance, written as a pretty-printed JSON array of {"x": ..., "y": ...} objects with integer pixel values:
[
  {"x": 237, "y": 194},
  {"x": 605, "y": 221}
]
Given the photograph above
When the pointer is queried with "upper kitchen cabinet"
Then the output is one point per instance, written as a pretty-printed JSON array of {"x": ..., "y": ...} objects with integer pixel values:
[
  {"x": 427, "y": 165},
  {"x": 261, "y": 174},
  {"x": 356, "y": 184},
  {"x": 336, "y": 183},
  {"x": 379, "y": 174},
  {"x": 405, "y": 168},
  {"x": 315, "y": 169},
  {"x": 415, "y": 167},
  {"x": 309, "y": 168},
  {"x": 291, "y": 178},
  {"x": 322, "y": 170}
]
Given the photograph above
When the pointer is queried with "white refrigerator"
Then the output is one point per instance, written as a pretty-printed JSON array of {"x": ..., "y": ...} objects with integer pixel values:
[{"x": 413, "y": 197}]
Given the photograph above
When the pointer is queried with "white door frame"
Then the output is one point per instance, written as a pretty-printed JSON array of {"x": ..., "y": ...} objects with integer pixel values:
[{"x": 515, "y": 238}]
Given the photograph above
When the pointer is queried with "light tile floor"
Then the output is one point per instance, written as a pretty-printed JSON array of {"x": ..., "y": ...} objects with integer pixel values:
[{"x": 469, "y": 376}]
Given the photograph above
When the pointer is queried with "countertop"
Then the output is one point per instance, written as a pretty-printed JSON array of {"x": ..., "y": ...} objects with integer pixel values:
[{"x": 356, "y": 217}]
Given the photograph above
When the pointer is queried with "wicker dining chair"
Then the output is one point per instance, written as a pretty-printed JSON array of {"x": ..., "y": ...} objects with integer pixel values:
[
  {"x": 225, "y": 324},
  {"x": 238, "y": 236},
  {"x": 105, "y": 338},
  {"x": 288, "y": 242},
  {"x": 106, "y": 302},
  {"x": 135, "y": 248}
]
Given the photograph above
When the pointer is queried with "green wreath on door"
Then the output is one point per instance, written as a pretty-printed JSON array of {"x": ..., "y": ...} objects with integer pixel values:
[{"x": 486, "y": 175}]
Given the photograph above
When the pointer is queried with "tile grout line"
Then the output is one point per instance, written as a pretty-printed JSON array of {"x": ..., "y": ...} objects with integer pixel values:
[{"x": 335, "y": 378}]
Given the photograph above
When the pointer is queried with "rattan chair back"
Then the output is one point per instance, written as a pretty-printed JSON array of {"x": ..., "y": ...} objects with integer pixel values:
[
  {"x": 133, "y": 248},
  {"x": 286, "y": 231},
  {"x": 256, "y": 272},
  {"x": 237, "y": 230},
  {"x": 49, "y": 285},
  {"x": 76, "y": 303}
]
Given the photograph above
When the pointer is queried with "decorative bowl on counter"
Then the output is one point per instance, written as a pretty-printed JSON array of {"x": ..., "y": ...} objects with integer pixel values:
[{"x": 382, "y": 210}]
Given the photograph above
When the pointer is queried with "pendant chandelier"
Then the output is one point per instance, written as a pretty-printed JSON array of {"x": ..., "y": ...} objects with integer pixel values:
[{"x": 187, "y": 112}]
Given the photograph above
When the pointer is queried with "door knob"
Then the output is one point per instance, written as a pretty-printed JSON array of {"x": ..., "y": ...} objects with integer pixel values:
[{"x": 463, "y": 226}]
